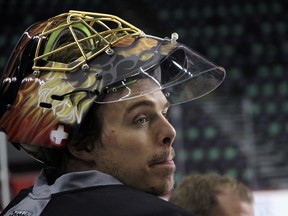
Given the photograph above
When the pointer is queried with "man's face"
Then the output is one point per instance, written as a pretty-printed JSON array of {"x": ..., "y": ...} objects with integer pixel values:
[{"x": 137, "y": 141}]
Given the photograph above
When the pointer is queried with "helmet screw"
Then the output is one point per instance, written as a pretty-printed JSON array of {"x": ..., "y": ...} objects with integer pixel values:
[
  {"x": 109, "y": 51},
  {"x": 36, "y": 73},
  {"x": 167, "y": 94},
  {"x": 174, "y": 37},
  {"x": 98, "y": 76},
  {"x": 85, "y": 67},
  {"x": 8, "y": 107}
]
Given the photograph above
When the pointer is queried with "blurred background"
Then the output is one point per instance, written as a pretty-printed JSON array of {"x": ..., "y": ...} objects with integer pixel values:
[{"x": 241, "y": 129}]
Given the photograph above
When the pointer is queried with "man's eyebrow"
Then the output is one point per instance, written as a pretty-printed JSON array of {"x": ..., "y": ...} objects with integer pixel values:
[{"x": 143, "y": 103}]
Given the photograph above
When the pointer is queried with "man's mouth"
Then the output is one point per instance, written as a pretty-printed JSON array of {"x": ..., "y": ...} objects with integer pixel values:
[
  {"x": 165, "y": 158},
  {"x": 163, "y": 162}
]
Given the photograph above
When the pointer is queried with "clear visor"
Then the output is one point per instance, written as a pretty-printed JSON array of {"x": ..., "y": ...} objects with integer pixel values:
[{"x": 182, "y": 76}]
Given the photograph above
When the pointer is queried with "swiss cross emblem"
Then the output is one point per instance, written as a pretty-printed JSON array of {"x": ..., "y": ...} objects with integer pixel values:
[{"x": 59, "y": 135}]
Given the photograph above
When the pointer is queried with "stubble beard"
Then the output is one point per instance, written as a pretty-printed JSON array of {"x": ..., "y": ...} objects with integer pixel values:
[{"x": 116, "y": 169}]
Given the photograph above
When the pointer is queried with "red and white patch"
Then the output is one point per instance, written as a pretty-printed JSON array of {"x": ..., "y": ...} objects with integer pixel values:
[{"x": 59, "y": 135}]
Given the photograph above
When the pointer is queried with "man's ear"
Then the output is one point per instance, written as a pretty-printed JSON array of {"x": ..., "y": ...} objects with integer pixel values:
[{"x": 85, "y": 154}]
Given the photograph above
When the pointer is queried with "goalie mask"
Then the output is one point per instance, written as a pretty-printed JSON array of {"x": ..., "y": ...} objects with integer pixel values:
[{"x": 61, "y": 66}]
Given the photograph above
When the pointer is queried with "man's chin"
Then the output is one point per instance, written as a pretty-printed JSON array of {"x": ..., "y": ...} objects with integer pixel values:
[{"x": 164, "y": 188}]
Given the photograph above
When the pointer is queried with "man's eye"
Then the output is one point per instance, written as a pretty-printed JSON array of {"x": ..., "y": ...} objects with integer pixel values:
[
  {"x": 141, "y": 120},
  {"x": 166, "y": 115}
]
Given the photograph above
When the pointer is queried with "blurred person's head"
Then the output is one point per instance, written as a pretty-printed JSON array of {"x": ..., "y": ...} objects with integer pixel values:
[{"x": 213, "y": 195}]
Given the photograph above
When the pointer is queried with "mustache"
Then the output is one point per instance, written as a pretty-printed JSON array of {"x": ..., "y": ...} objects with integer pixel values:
[{"x": 168, "y": 153}]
